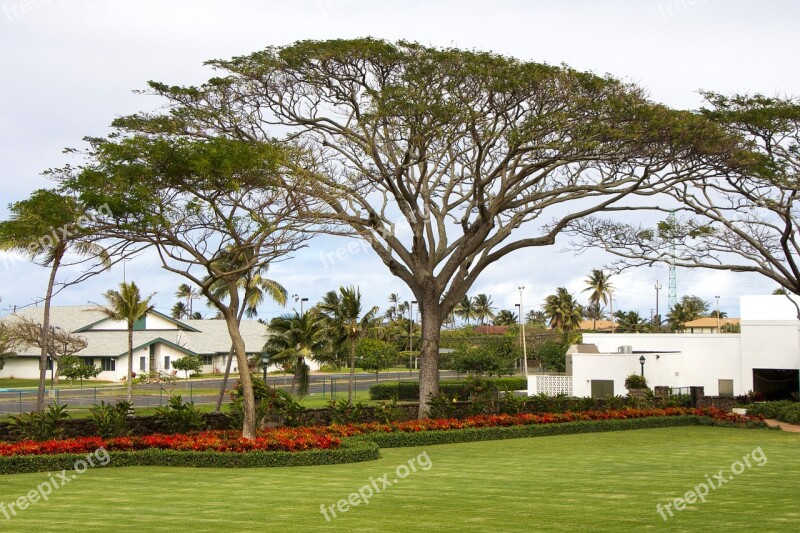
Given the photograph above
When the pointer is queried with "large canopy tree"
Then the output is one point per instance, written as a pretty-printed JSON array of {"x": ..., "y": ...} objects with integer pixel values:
[
  {"x": 742, "y": 219},
  {"x": 458, "y": 148},
  {"x": 216, "y": 212}
]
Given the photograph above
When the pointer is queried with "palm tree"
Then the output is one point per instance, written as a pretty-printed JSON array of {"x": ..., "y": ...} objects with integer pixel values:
[
  {"x": 44, "y": 228},
  {"x": 505, "y": 318},
  {"x": 630, "y": 321},
  {"x": 295, "y": 339},
  {"x": 127, "y": 305},
  {"x": 256, "y": 287},
  {"x": 600, "y": 287},
  {"x": 394, "y": 299},
  {"x": 536, "y": 318},
  {"x": 483, "y": 308},
  {"x": 722, "y": 314},
  {"x": 563, "y": 310},
  {"x": 179, "y": 310},
  {"x": 465, "y": 310},
  {"x": 342, "y": 314},
  {"x": 688, "y": 309},
  {"x": 189, "y": 293}
]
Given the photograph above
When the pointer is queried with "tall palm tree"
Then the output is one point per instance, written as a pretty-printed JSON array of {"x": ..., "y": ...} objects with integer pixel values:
[
  {"x": 394, "y": 299},
  {"x": 256, "y": 287},
  {"x": 179, "y": 310},
  {"x": 342, "y": 314},
  {"x": 296, "y": 339},
  {"x": 505, "y": 318},
  {"x": 630, "y": 321},
  {"x": 188, "y": 293},
  {"x": 465, "y": 309},
  {"x": 536, "y": 318},
  {"x": 483, "y": 308},
  {"x": 44, "y": 228},
  {"x": 126, "y": 305},
  {"x": 563, "y": 310},
  {"x": 600, "y": 286}
]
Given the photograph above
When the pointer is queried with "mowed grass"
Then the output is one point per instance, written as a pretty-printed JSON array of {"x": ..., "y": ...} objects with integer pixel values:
[{"x": 588, "y": 482}]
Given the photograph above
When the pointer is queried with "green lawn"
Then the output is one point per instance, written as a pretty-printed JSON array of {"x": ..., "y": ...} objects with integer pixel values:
[{"x": 588, "y": 482}]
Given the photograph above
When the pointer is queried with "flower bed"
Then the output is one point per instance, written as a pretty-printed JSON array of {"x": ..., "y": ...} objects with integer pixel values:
[
  {"x": 286, "y": 440},
  {"x": 525, "y": 419}
]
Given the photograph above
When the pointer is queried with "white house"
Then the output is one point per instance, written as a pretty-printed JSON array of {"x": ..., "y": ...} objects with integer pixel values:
[
  {"x": 158, "y": 340},
  {"x": 764, "y": 357}
]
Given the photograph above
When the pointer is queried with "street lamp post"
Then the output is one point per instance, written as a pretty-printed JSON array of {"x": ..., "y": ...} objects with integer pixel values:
[
  {"x": 301, "y": 305},
  {"x": 524, "y": 344},
  {"x": 641, "y": 362},
  {"x": 718, "y": 330},
  {"x": 265, "y": 364},
  {"x": 611, "y": 301},
  {"x": 410, "y": 333}
]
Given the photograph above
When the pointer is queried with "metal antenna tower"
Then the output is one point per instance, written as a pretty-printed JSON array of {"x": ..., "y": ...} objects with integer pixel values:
[{"x": 673, "y": 276}]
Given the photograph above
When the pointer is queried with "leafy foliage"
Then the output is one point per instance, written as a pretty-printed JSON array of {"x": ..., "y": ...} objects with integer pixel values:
[
  {"x": 494, "y": 356},
  {"x": 179, "y": 416},
  {"x": 40, "y": 425},
  {"x": 112, "y": 420},
  {"x": 635, "y": 381}
]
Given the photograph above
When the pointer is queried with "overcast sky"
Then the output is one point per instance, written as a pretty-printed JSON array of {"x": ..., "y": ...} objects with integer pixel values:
[{"x": 69, "y": 67}]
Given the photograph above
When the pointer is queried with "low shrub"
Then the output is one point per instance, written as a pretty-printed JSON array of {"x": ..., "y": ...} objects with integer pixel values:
[
  {"x": 351, "y": 451},
  {"x": 179, "y": 416},
  {"x": 37, "y": 425},
  {"x": 409, "y": 390},
  {"x": 344, "y": 411},
  {"x": 111, "y": 420},
  {"x": 783, "y": 410},
  {"x": 635, "y": 381}
]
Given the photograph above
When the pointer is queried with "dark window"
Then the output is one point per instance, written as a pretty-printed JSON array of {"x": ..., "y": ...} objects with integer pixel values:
[
  {"x": 166, "y": 362},
  {"x": 207, "y": 360},
  {"x": 602, "y": 388},
  {"x": 108, "y": 364},
  {"x": 88, "y": 361},
  {"x": 142, "y": 364}
]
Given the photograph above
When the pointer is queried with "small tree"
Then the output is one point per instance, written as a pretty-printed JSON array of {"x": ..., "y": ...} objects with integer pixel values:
[
  {"x": 189, "y": 363},
  {"x": 73, "y": 367},
  {"x": 374, "y": 355},
  {"x": 493, "y": 356}
]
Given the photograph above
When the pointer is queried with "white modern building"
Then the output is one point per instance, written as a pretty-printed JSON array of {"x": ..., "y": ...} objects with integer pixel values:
[
  {"x": 764, "y": 357},
  {"x": 158, "y": 341}
]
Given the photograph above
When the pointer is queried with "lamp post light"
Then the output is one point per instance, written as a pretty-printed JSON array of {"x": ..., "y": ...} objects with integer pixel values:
[
  {"x": 301, "y": 305},
  {"x": 410, "y": 333},
  {"x": 718, "y": 330},
  {"x": 641, "y": 362},
  {"x": 265, "y": 364},
  {"x": 524, "y": 343},
  {"x": 658, "y": 287}
]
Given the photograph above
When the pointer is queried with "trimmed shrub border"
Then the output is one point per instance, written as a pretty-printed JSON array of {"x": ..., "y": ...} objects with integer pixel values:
[
  {"x": 360, "y": 448},
  {"x": 350, "y": 451}
]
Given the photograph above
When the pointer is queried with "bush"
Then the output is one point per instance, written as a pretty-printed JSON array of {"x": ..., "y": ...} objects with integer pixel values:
[
  {"x": 351, "y": 451},
  {"x": 345, "y": 412},
  {"x": 635, "y": 381},
  {"x": 409, "y": 390},
  {"x": 179, "y": 416},
  {"x": 269, "y": 401},
  {"x": 40, "y": 425},
  {"x": 111, "y": 420},
  {"x": 493, "y": 356},
  {"x": 552, "y": 354},
  {"x": 784, "y": 410}
]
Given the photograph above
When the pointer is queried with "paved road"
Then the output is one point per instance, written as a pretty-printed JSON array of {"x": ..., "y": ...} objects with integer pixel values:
[{"x": 326, "y": 385}]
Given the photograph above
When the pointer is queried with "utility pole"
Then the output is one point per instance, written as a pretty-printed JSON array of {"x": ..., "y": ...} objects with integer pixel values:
[
  {"x": 611, "y": 302},
  {"x": 718, "y": 330},
  {"x": 658, "y": 287},
  {"x": 524, "y": 344}
]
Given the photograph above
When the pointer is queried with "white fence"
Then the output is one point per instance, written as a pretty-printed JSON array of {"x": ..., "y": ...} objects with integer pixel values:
[{"x": 549, "y": 385}]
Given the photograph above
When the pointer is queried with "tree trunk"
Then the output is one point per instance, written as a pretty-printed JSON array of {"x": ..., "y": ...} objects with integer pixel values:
[
  {"x": 46, "y": 333},
  {"x": 129, "y": 380},
  {"x": 249, "y": 426},
  {"x": 429, "y": 352},
  {"x": 352, "y": 370},
  {"x": 221, "y": 395},
  {"x": 224, "y": 385}
]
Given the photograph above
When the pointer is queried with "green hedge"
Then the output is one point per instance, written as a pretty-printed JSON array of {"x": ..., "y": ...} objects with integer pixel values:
[
  {"x": 425, "y": 438},
  {"x": 784, "y": 410},
  {"x": 409, "y": 390},
  {"x": 351, "y": 451}
]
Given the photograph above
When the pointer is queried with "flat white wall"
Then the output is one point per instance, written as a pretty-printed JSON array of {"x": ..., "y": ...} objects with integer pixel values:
[
  {"x": 659, "y": 370},
  {"x": 22, "y": 368}
]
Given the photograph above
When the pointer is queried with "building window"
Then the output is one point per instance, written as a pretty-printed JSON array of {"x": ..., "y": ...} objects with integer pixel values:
[
  {"x": 726, "y": 388},
  {"x": 207, "y": 360},
  {"x": 166, "y": 362},
  {"x": 108, "y": 364},
  {"x": 602, "y": 388},
  {"x": 142, "y": 364},
  {"x": 88, "y": 361}
]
